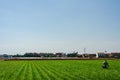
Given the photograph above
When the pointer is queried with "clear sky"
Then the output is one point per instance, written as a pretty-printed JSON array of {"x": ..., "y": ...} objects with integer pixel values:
[{"x": 59, "y": 26}]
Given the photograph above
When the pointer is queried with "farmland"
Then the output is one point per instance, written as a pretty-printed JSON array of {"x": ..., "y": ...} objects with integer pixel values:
[{"x": 59, "y": 70}]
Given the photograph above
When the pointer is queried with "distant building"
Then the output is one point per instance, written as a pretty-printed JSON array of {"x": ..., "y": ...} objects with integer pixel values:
[
  {"x": 103, "y": 55},
  {"x": 60, "y": 54},
  {"x": 115, "y": 54},
  {"x": 92, "y": 55},
  {"x": 5, "y": 56},
  {"x": 85, "y": 55},
  {"x": 80, "y": 55},
  {"x": 100, "y": 54},
  {"x": 89, "y": 55}
]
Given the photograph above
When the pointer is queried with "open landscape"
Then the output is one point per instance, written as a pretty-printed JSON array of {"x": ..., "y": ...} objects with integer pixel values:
[
  {"x": 59, "y": 39},
  {"x": 59, "y": 70}
]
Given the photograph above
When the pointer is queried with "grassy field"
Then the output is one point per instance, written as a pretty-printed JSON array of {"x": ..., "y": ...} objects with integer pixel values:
[{"x": 59, "y": 70}]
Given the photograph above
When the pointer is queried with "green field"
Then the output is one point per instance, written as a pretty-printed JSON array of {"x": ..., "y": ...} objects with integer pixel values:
[{"x": 59, "y": 70}]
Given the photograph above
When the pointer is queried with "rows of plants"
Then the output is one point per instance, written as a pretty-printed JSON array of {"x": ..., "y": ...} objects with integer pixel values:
[{"x": 59, "y": 70}]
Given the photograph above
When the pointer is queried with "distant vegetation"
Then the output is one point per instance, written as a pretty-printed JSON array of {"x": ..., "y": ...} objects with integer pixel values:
[{"x": 74, "y": 54}]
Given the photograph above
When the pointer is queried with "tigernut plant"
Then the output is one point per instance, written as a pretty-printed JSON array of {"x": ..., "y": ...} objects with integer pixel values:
[{"x": 59, "y": 70}]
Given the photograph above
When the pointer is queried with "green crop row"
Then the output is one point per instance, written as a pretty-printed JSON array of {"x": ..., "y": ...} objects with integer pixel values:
[{"x": 59, "y": 70}]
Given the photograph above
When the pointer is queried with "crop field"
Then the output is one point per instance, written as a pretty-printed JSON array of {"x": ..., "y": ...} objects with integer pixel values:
[{"x": 59, "y": 70}]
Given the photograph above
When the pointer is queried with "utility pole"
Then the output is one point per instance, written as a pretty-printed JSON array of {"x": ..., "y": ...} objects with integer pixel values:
[{"x": 84, "y": 50}]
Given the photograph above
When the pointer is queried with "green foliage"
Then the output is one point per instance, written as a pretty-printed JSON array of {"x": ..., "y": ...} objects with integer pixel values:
[{"x": 59, "y": 70}]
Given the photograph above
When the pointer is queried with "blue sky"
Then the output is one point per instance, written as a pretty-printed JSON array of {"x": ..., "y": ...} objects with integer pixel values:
[{"x": 59, "y": 26}]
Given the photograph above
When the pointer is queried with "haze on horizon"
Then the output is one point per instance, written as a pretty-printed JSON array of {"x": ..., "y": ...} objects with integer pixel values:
[{"x": 59, "y": 26}]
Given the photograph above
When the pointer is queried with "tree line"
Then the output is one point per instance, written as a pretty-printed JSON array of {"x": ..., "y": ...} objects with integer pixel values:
[{"x": 74, "y": 54}]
